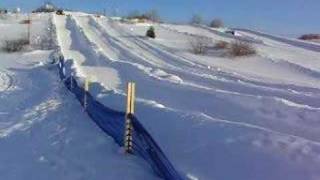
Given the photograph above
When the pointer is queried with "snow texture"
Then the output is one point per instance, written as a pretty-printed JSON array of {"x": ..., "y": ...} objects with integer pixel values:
[{"x": 214, "y": 116}]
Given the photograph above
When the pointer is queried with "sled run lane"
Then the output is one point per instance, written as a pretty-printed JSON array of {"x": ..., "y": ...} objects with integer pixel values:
[
  {"x": 44, "y": 132},
  {"x": 283, "y": 56},
  {"x": 210, "y": 116},
  {"x": 312, "y": 46},
  {"x": 300, "y": 54}
]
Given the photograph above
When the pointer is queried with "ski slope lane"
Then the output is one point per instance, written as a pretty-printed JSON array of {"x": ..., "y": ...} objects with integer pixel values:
[
  {"x": 59, "y": 140},
  {"x": 301, "y": 66},
  {"x": 87, "y": 61},
  {"x": 292, "y": 54},
  {"x": 216, "y": 77},
  {"x": 292, "y": 42},
  {"x": 184, "y": 68},
  {"x": 211, "y": 120},
  {"x": 106, "y": 160},
  {"x": 127, "y": 73}
]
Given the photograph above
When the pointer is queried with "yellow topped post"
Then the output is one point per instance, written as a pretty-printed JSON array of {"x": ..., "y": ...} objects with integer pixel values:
[
  {"x": 133, "y": 92},
  {"x": 29, "y": 28},
  {"x": 128, "y": 123},
  {"x": 71, "y": 81},
  {"x": 86, "y": 84},
  {"x": 128, "y": 98},
  {"x": 86, "y": 89}
]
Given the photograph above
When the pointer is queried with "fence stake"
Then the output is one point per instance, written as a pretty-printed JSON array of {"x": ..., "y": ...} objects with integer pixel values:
[
  {"x": 71, "y": 81},
  {"x": 129, "y": 112},
  {"x": 133, "y": 93},
  {"x": 29, "y": 28},
  {"x": 86, "y": 89}
]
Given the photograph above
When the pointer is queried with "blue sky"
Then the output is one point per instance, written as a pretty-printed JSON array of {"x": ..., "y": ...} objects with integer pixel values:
[{"x": 285, "y": 17}]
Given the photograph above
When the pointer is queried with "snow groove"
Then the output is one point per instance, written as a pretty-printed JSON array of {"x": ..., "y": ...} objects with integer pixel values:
[
  {"x": 153, "y": 72},
  {"x": 296, "y": 43},
  {"x": 31, "y": 116}
]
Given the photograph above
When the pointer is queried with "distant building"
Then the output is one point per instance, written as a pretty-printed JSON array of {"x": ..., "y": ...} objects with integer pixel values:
[
  {"x": 116, "y": 18},
  {"x": 47, "y": 7},
  {"x": 138, "y": 20}
]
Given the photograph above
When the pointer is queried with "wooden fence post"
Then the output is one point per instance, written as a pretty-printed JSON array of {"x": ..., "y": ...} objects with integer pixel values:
[
  {"x": 129, "y": 112},
  {"x": 86, "y": 89},
  {"x": 29, "y": 28},
  {"x": 71, "y": 81}
]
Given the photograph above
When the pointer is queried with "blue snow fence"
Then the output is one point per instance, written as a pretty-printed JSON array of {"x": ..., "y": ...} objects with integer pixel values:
[{"x": 112, "y": 122}]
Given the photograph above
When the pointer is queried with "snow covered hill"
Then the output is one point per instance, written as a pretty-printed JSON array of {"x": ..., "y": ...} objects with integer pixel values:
[
  {"x": 215, "y": 117},
  {"x": 44, "y": 132}
]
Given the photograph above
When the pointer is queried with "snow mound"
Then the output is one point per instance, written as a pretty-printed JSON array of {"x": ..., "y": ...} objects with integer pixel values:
[
  {"x": 296, "y": 105},
  {"x": 6, "y": 81},
  {"x": 159, "y": 74},
  {"x": 263, "y": 108},
  {"x": 163, "y": 75}
]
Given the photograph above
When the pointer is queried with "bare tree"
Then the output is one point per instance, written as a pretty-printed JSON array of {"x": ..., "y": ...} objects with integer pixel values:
[
  {"x": 153, "y": 15},
  {"x": 15, "y": 45},
  {"x": 134, "y": 14},
  {"x": 199, "y": 44},
  {"x": 310, "y": 37},
  {"x": 221, "y": 45},
  {"x": 241, "y": 48},
  {"x": 216, "y": 23},
  {"x": 196, "y": 19}
]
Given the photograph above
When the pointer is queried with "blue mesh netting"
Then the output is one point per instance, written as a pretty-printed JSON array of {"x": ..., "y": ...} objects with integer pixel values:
[{"x": 112, "y": 122}]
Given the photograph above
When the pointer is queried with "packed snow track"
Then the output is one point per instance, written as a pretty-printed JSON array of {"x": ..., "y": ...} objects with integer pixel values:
[
  {"x": 44, "y": 132},
  {"x": 209, "y": 112},
  {"x": 214, "y": 116}
]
